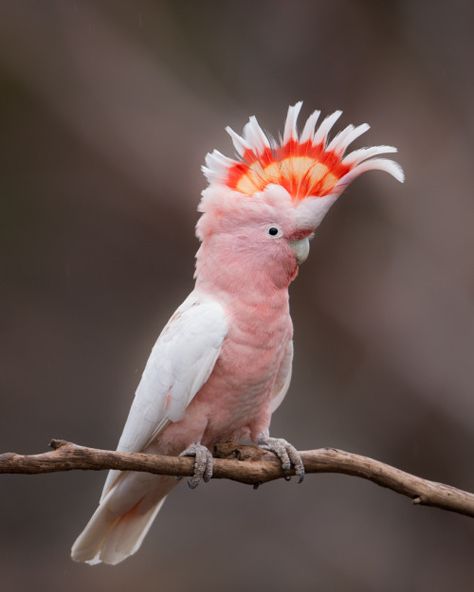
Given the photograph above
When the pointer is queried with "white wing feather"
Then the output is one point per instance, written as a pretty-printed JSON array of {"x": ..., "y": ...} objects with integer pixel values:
[
  {"x": 282, "y": 382},
  {"x": 180, "y": 362}
]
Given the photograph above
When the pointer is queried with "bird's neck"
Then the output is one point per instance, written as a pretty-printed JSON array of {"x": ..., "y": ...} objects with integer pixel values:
[{"x": 243, "y": 279}]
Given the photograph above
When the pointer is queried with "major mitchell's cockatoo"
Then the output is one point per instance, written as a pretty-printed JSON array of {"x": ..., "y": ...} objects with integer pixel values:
[{"x": 222, "y": 364}]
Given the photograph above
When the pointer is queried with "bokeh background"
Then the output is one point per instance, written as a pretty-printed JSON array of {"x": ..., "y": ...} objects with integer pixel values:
[{"x": 106, "y": 111}]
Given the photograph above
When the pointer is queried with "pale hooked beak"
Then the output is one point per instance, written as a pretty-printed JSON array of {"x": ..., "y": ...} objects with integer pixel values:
[{"x": 301, "y": 249}]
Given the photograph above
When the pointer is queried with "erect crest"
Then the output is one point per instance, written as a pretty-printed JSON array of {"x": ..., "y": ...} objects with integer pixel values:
[{"x": 306, "y": 164}]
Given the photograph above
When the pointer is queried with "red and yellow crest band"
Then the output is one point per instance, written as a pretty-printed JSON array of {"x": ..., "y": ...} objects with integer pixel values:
[{"x": 306, "y": 164}]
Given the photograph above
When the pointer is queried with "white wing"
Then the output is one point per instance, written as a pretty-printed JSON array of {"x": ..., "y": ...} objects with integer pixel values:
[
  {"x": 180, "y": 363},
  {"x": 282, "y": 382}
]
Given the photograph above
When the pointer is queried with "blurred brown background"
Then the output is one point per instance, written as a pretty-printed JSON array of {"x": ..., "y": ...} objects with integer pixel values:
[{"x": 107, "y": 110}]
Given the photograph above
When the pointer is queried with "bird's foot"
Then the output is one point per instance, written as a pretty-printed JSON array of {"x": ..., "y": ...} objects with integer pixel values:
[
  {"x": 288, "y": 455},
  {"x": 203, "y": 464}
]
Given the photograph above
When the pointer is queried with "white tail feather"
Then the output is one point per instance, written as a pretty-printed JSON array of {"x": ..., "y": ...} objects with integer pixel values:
[{"x": 110, "y": 535}]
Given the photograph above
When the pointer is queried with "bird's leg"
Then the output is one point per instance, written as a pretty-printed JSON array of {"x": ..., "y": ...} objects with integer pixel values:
[
  {"x": 203, "y": 463},
  {"x": 286, "y": 452}
]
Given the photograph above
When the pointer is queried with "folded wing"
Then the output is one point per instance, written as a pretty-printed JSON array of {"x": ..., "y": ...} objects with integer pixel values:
[{"x": 180, "y": 362}]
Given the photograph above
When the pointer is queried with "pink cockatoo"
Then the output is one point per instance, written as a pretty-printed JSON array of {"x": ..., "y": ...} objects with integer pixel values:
[{"x": 222, "y": 364}]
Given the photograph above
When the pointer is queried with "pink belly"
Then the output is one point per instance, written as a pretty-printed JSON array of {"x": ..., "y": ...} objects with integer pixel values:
[{"x": 234, "y": 402}]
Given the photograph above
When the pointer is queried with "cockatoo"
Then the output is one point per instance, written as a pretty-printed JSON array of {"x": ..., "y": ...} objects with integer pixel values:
[{"x": 222, "y": 364}]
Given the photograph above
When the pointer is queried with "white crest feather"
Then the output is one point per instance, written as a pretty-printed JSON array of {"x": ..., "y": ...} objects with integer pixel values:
[
  {"x": 255, "y": 136},
  {"x": 323, "y": 130},
  {"x": 339, "y": 138},
  {"x": 364, "y": 153},
  {"x": 291, "y": 132},
  {"x": 308, "y": 130},
  {"x": 217, "y": 166},
  {"x": 375, "y": 164},
  {"x": 342, "y": 140},
  {"x": 239, "y": 143}
]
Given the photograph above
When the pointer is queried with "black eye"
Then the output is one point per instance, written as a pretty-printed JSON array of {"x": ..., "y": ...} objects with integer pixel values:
[{"x": 273, "y": 231}]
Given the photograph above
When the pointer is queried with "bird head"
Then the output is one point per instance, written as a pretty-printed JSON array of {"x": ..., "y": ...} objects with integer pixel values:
[{"x": 269, "y": 199}]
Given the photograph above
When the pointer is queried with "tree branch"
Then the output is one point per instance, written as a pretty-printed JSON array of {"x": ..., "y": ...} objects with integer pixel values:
[{"x": 246, "y": 464}]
